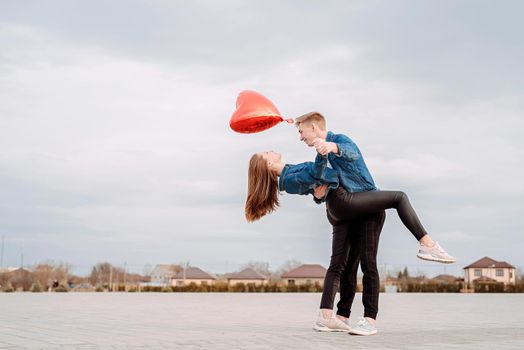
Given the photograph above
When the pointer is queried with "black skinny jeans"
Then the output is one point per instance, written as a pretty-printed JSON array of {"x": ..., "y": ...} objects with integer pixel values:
[
  {"x": 354, "y": 241},
  {"x": 347, "y": 212},
  {"x": 343, "y": 205}
]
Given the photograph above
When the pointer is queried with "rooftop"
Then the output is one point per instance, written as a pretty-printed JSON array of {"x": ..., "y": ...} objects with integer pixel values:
[{"x": 306, "y": 271}]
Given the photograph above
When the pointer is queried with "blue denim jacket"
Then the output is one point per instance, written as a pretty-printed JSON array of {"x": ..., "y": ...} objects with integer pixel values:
[
  {"x": 353, "y": 173},
  {"x": 304, "y": 177}
]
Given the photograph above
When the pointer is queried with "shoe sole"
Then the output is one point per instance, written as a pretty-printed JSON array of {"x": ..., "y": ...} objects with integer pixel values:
[
  {"x": 326, "y": 329},
  {"x": 432, "y": 258},
  {"x": 353, "y": 332}
]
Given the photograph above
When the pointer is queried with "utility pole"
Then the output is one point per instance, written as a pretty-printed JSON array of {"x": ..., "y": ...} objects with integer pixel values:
[
  {"x": 110, "y": 278},
  {"x": 2, "y": 253},
  {"x": 125, "y": 266}
]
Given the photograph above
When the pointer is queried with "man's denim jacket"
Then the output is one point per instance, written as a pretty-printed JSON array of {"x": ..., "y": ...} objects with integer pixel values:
[{"x": 353, "y": 173}]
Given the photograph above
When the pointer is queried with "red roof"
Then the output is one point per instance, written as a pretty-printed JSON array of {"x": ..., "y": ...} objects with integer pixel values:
[
  {"x": 486, "y": 262},
  {"x": 306, "y": 271}
]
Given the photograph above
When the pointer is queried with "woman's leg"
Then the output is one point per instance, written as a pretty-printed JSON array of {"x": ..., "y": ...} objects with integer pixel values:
[{"x": 343, "y": 206}]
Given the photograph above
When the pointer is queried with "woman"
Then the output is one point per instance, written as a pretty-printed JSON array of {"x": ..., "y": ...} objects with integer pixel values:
[{"x": 267, "y": 175}]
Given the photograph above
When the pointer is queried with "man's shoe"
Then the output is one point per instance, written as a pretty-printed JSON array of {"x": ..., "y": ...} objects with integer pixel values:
[
  {"x": 435, "y": 253},
  {"x": 363, "y": 327},
  {"x": 332, "y": 324}
]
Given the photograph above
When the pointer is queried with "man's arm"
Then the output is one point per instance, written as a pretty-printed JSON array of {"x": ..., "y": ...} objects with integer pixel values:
[{"x": 342, "y": 148}]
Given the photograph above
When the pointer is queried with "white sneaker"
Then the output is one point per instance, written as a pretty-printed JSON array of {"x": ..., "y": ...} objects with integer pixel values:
[
  {"x": 332, "y": 324},
  {"x": 363, "y": 327},
  {"x": 435, "y": 253}
]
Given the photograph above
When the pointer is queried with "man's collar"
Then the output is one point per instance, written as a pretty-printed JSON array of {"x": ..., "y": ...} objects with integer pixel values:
[{"x": 329, "y": 136}]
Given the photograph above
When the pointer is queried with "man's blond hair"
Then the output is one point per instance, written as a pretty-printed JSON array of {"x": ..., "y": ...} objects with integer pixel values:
[{"x": 312, "y": 117}]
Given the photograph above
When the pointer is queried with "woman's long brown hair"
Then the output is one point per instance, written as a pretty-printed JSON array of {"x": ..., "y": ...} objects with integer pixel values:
[{"x": 262, "y": 189}]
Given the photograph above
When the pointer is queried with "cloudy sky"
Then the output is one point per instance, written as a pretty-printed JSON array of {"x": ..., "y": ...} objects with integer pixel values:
[{"x": 115, "y": 144}]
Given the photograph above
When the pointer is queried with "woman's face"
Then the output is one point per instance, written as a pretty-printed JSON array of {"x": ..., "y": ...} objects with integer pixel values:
[{"x": 270, "y": 156}]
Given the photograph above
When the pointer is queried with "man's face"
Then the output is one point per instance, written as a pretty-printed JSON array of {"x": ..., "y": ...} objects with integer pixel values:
[{"x": 307, "y": 133}]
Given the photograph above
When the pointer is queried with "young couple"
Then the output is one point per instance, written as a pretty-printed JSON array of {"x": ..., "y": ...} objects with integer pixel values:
[{"x": 355, "y": 208}]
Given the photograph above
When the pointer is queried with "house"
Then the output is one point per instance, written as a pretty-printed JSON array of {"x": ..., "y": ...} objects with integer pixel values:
[
  {"x": 8, "y": 269},
  {"x": 305, "y": 274},
  {"x": 446, "y": 279},
  {"x": 248, "y": 275},
  {"x": 19, "y": 278},
  {"x": 162, "y": 274},
  {"x": 192, "y": 274},
  {"x": 487, "y": 269}
]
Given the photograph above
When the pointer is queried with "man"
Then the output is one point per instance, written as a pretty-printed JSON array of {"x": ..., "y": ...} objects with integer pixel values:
[
  {"x": 346, "y": 207},
  {"x": 353, "y": 240}
]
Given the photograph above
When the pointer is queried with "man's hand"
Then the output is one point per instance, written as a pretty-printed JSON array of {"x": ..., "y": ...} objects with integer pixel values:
[
  {"x": 320, "y": 191},
  {"x": 323, "y": 147}
]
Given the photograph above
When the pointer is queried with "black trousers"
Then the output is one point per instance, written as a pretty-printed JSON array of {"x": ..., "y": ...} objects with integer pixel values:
[
  {"x": 354, "y": 240},
  {"x": 343, "y": 206}
]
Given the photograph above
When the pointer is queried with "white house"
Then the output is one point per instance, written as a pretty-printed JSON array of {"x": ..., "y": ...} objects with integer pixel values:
[
  {"x": 487, "y": 269},
  {"x": 305, "y": 274},
  {"x": 162, "y": 274},
  {"x": 192, "y": 274}
]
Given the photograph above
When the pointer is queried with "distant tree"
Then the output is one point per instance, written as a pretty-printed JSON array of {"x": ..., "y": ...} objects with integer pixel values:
[
  {"x": 105, "y": 274},
  {"x": 288, "y": 266},
  {"x": 519, "y": 277},
  {"x": 147, "y": 269},
  {"x": 406, "y": 272},
  {"x": 259, "y": 266},
  {"x": 61, "y": 273},
  {"x": 42, "y": 273},
  {"x": 36, "y": 287}
]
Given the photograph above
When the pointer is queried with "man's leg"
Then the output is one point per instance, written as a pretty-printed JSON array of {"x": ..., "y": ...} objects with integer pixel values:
[
  {"x": 339, "y": 254},
  {"x": 337, "y": 265},
  {"x": 348, "y": 280},
  {"x": 369, "y": 233}
]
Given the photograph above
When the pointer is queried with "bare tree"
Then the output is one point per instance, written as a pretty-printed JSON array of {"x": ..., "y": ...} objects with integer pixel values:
[
  {"x": 104, "y": 274},
  {"x": 288, "y": 266},
  {"x": 258, "y": 266},
  {"x": 42, "y": 273}
]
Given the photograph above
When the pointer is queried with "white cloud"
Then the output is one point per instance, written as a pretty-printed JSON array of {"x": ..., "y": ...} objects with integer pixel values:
[{"x": 120, "y": 132}]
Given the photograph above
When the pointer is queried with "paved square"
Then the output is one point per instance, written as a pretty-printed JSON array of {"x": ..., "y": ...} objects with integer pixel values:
[{"x": 253, "y": 321}]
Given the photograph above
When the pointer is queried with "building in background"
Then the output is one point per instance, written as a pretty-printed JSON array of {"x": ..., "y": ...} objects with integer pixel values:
[
  {"x": 489, "y": 270},
  {"x": 162, "y": 274},
  {"x": 305, "y": 274},
  {"x": 248, "y": 275},
  {"x": 192, "y": 274}
]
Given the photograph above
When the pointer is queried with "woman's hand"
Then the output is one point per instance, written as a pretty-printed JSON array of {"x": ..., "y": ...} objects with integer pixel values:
[{"x": 320, "y": 191}]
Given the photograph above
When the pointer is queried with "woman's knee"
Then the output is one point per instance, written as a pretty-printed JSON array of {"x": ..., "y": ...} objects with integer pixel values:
[{"x": 400, "y": 197}]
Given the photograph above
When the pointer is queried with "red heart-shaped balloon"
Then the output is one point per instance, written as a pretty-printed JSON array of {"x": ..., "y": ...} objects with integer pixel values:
[{"x": 254, "y": 113}]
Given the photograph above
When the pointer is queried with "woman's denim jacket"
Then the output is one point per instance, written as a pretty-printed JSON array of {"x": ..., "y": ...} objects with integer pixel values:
[{"x": 304, "y": 177}]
